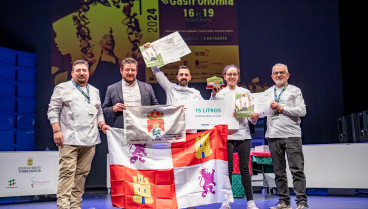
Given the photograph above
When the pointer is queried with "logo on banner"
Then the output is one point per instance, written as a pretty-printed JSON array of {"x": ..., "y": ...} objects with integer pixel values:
[
  {"x": 142, "y": 190},
  {"x": 207, "y": 181},
  {"x": 11, "y": 184},
  {"x": 203, "y": 147},
  {"x": 35, "y": 182},
  {"x": 29, "y": 168},
  {"x": 138, "y": 153},
  {"x": 155, "y": 124},
  {"x": 30, "y": 161}
]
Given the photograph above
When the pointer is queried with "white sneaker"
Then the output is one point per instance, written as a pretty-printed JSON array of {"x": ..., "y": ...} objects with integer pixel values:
[
  {"x": 251, "y": 205},
  {"x": 225, "y": 205}
]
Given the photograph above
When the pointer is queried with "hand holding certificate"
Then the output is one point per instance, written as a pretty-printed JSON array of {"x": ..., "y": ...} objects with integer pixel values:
[
  {"x": 246, "y": 104},
  {"x": 166, "y": 50},
  {"x": 262, "y": 103},
  {"x": 243, "y": 105}
]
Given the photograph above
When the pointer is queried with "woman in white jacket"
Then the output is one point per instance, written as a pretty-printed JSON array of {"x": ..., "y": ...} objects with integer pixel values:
[{"x": 239, "y": 139}]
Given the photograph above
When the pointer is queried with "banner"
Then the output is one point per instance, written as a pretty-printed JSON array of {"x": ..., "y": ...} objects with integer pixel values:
[
  {"x": 154, "y": 124},
  {"x": 102, "y": 33},
  {"x": 105, "y": 32},
  {"x": 169, "y": 175},
  {"x": 209, "y": 28},
  {"x": 205, "y": 114},
  {"x": 28, "y": 173}
]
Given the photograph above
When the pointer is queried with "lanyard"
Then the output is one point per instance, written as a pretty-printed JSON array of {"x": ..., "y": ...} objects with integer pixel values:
[
  {"x": 277, "y": 98},
  {"x": 81, "y": 91}
]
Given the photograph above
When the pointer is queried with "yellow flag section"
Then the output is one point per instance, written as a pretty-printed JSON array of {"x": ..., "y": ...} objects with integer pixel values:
[{"x": 169, "y": 175}]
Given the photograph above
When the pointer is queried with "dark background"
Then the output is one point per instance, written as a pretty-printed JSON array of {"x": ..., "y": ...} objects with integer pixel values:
[{"x": 322, "y": 42}]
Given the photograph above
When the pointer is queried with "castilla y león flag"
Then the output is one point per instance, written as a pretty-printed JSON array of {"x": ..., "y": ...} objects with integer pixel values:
[{"x": 169, "y": 175}]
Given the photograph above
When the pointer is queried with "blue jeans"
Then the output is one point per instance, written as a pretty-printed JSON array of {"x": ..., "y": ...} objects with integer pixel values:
[
  {"x": 243, "y": 148},
  {"x": 292, "y": 146}
]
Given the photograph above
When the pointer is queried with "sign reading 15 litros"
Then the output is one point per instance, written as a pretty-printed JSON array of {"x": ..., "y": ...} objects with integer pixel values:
[{"x": 205, "y": 114}]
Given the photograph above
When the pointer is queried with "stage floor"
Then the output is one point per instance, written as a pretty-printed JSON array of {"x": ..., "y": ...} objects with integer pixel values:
[{"x": 99, "y": 199}]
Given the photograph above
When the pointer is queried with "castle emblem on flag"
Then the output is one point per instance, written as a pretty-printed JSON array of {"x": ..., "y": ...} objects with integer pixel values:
[
  {"x": 203, "y": 147},
  {"x": 142, "y": 190},
  {"x": 138, "y": 153},
  {"x": 207, "y": 181},
  {"x": 155, "y": 124}
]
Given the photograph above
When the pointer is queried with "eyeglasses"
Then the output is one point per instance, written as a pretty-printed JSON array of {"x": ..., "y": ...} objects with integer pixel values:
[
  {"x": 281, "y": 73},
  {"x": 232, "y": 74}
]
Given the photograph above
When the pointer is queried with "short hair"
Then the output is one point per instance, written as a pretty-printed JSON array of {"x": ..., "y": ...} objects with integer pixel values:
[
  {"x": 182, "y": 67},
  {"x": 229, "y": 66},
  {"x": 281, "y": 66},
  {"x": 129, "y": 60},
  {"x": 77, "y": 62}
]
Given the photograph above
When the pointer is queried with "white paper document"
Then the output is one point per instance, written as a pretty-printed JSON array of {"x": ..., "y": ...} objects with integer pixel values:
[
  {"x": 262, "y": 102},
  {"x": 165, "y": 50}
]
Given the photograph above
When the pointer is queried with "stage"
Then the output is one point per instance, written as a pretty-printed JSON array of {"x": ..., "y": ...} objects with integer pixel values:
[{"x": 99, "y": 199}]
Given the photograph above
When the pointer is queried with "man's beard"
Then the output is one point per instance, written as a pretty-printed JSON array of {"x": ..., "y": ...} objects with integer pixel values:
[
  {"x": 280, "y": 82},
  {"x": 82, "y": 80},
  {"x": 183, "y": 82}
]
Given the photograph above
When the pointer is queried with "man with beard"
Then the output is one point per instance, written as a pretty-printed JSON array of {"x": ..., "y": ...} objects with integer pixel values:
[
  {"x": 284, "y": 137},
  {"x": 75, "y": 115},
  {"x": 175, "y": 92},
  {"x": 127, "y": 92}
]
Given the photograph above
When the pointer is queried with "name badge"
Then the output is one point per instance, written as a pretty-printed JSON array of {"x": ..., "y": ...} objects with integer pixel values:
[{"x": 91, "y": 111}]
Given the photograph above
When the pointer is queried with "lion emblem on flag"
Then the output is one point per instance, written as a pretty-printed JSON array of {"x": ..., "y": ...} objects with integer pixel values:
[
  {"x": 207, "y": 181},
  {"x": 138, "y": 153}
]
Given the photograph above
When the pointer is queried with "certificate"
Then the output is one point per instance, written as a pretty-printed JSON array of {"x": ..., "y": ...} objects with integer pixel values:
[
  {"x": 165, "y": 50},
  {"x": 168, "y": 50},
  {"x": 151, "y": 55},
  {"x": 262, "y": 103},
  {"x": 243, "y": 105},
  {"x": 205, "y": 114},
  {"x": 180, "y": 45}
]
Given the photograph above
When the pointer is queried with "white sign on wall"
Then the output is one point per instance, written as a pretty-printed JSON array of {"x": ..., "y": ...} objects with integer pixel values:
[{"x": 28, "y": 173}]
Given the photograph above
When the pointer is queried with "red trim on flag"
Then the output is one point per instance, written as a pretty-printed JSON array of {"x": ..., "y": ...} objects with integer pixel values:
[
  {"x": 192, "y": 152},
  {"x": 131, "y": 188}
]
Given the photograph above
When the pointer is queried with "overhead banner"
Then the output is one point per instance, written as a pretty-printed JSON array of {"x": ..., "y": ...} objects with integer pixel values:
[
  {"x": 209, "y": 28},
  {"x": 105, "y": 32}
]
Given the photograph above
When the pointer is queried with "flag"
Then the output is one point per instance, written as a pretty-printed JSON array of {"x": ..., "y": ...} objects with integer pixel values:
[
  {"x": 169, "y": 175},
  {"x": 154, "y": 124}
]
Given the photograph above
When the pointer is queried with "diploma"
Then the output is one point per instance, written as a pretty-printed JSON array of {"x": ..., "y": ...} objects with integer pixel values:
[
  {"x": 180, "y": 45},
  {"x": 151, "y": 55},
  {"x": 165, "y": 50},
  {"x": 243, "y": 105},
  {"x": 262, "y": 103}
]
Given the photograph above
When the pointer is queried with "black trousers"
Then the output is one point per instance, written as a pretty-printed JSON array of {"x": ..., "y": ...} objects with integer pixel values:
[
  {"x": 243, "y": 149},
  {"x": 292, "y": 146}
]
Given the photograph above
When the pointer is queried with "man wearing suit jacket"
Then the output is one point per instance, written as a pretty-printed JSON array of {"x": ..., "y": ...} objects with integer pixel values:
[{"x": 127, "y": 92}]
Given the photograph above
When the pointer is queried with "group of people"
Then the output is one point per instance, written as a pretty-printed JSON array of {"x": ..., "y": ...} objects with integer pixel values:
[{"x": 76, "y": 116}]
